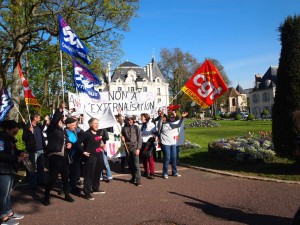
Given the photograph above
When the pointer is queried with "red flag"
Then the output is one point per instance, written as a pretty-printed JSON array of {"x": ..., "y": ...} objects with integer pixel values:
[
  {"x": 206, "y": 85},
  {"x": 29, "y": 97}
]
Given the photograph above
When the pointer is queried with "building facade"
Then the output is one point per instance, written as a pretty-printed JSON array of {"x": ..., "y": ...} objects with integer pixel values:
[
  {"x": 133, "y": 78},
  {"x": 263, "y": 94},
  {"x": 235, "y": 100}
]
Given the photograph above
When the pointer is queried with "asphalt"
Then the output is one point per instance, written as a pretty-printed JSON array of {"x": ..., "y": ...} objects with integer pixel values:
[{"x": 197, "y": 197}]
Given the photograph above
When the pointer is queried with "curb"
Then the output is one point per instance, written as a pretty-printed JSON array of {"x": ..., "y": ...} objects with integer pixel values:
[{"x": 239, "y": 175}]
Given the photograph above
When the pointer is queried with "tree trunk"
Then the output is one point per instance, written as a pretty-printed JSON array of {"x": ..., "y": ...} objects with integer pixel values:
[{"x": 15, "y": 93}]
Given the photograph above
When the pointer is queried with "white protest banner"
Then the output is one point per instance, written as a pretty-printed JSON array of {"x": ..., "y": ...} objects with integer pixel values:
[
  {"x": 133, "y": 103},
  {"x": 105, "y": 117},
  {"x": 114, "y": 146},
  {"x": 74, "y": 101},
  {"x": 179, "y": 133}
]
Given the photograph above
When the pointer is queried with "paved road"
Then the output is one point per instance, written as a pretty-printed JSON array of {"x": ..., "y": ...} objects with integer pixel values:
[{"x": 195, "y": 198}]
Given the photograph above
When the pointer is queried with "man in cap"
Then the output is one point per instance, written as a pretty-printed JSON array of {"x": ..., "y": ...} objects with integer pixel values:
[{"x": 131, "y": 136}]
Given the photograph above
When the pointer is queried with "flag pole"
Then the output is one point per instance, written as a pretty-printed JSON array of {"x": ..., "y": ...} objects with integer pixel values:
[
  {"x": 28, "y": 113},
  {"x": 62, "y": 76},
  {"x": 175, "y": 97},
  {"x": 19, "y": 112}
]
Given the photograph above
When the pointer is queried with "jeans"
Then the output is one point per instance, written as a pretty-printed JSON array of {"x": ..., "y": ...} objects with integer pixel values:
[
  {"x": 177, "y": 153},
  {"x": 6, "y": 183},
  {"x": 134, "y": 165},
  {"x": 93, "y": 166},
  {"x": 106, "y": 165},
  {"x": 37, "y": 159},
  {"x": 169, "y": 153}
]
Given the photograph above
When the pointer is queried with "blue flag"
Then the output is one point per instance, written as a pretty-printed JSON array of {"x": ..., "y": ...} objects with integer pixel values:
[
  {"x": 70, "y": 43},
  {"x": 6, "y": 104},
  {"x": 85, "y": 80}
]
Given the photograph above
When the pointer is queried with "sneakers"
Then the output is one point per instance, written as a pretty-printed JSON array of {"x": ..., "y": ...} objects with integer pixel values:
[
  {"x": 98, "y": 192},
  {"x": 10, "y": 221},
  {"x": 177, "y": 175},
  {"x": 138, "y": 183},
  {"x": 17, "y": 216},
  {"x": 150, "y": 176},
  {"x": 165, "y": 176},
  {"x": 89, "y": 197}
]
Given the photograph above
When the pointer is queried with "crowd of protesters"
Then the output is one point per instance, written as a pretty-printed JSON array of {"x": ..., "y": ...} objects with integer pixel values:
[{"x": 74, "y": 153}]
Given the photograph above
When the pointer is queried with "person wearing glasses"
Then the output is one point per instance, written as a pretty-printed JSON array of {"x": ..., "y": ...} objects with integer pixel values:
[{"x": 168, "y": 143}]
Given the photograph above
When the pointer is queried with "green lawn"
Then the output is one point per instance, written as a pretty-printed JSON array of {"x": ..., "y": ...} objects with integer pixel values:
[{"x": 279, "y": 169}]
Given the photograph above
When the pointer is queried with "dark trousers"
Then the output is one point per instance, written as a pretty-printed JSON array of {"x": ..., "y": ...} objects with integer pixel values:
[
  {"x": 92, "y": 171},
  {"x": 58, "y": 164},
  {"x": 75, "y": 171},
  {"x": 134, "y": 165}
]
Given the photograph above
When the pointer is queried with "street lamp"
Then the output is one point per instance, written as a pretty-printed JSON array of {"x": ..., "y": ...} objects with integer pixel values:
[{"x": 139, "y": 83}]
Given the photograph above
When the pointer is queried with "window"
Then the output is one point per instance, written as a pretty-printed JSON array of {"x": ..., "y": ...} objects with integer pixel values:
[
  {"x": 119, "y": 89},
  {"x": 266, "y": 97},
  {"x": 158, "y": 91},
  {"x": 144, "y": 89},
  {"x": 233, "y": 102},
  {"x": 255, "y": 98},
  {"x": 132, "y": 89}
]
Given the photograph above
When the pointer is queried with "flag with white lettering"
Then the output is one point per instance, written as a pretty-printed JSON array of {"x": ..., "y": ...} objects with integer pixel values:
[
  {"x": 86, "y": 81},
  {"x": 6, "y": 104},
  {"x": 206, "y": 85},
  {"x": 70, "y": 43}
]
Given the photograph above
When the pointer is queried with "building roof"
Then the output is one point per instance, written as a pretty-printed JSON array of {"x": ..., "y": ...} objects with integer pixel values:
[
  {"x": 268, "y": 80},
  {"x": 239, "y": 88},
  {"x": 122, "y": 70},
  {"x": 231, "y": 92}
]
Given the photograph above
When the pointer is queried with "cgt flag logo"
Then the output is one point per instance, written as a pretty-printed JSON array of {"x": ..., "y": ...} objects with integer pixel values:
[{"x": 205, "y": 86}]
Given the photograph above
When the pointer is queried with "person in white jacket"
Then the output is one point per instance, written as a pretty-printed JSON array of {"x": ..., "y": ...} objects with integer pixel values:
[{"x": 148, "y": 131}]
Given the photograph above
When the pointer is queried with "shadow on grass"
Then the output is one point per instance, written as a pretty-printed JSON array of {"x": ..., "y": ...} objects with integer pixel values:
[{"x": 278, "y": 170}]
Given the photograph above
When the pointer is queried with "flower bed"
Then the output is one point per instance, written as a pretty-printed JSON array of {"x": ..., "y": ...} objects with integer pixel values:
[
  {"x": 253, "y": 148},
  {"x": 202, "y": 123},
  {"x": 188, "y": 145}
]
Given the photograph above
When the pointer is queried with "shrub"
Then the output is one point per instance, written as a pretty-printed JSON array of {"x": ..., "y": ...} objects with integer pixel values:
[
  {"x": 226, "y": 115},
  {"x": 238, "y": 117},
  {"x": 217, "y": 117},
  {"x": 251, "y": 117}
]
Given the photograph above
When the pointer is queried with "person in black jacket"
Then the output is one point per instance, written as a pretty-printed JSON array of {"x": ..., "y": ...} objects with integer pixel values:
[
  {"x": 35, "y": 145},
  {"x": 57, "y": 149},
  {"x": 91, "y": 145},
  {"x": 9, "y": 159}
]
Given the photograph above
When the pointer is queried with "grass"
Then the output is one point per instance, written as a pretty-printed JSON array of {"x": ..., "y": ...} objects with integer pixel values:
[{"x": 281, "y": 168}]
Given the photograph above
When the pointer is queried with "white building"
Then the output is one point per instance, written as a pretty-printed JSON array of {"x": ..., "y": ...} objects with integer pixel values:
[
  {"x": 133, "y": 78},
  {"x": 235, "y": 100},
  {"x": 263, "y": 94}
]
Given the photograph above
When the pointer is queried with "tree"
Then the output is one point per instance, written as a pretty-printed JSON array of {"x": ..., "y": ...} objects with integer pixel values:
[
  {"x": 177, "y": 67},
  {"x": 32, "y": 25},
  {"x": 287, "y": 98}
]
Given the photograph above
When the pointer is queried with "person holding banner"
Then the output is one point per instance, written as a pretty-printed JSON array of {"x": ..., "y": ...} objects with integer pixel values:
[
  {"x": 91, "y": 145},
  {"x": 168, "y": 143},
  {"x": 58, "y": 153},
  {"x": 131, "y": 136},
  {"x": 148, "y": 130},
  {"x": 9, "y": 159}
]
